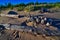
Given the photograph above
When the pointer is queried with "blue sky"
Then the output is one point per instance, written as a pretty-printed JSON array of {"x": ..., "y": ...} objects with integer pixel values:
[{"x": 25, "y": 1}]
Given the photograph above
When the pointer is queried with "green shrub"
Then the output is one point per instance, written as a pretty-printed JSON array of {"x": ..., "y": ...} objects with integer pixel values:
[
  {"x": 21, "y": 8},
  {"x": 29, "y": 8}
]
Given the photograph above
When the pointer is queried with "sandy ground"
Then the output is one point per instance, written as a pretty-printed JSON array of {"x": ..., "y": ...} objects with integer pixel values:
[{"x": 25, "y": 36}]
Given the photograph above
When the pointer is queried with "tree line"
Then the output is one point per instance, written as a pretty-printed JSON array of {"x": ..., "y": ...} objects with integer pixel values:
[{"x": 29, "y": 6}]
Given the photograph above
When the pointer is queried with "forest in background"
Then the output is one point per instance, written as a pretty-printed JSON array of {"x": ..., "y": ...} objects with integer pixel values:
[{"x": 30, "y": 6}]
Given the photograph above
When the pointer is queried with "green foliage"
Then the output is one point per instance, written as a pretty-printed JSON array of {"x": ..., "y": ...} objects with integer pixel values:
[
  {"x": 31, "y": 3},
  {"x": 21, "y": 8},
  {"x": 2, "y": 7},
  {"x": 37, "y": 3},
  {"x": 30, "y": 6},
  {"x": 10, "y": 6},
  {"x": 18, "y": 5}
]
